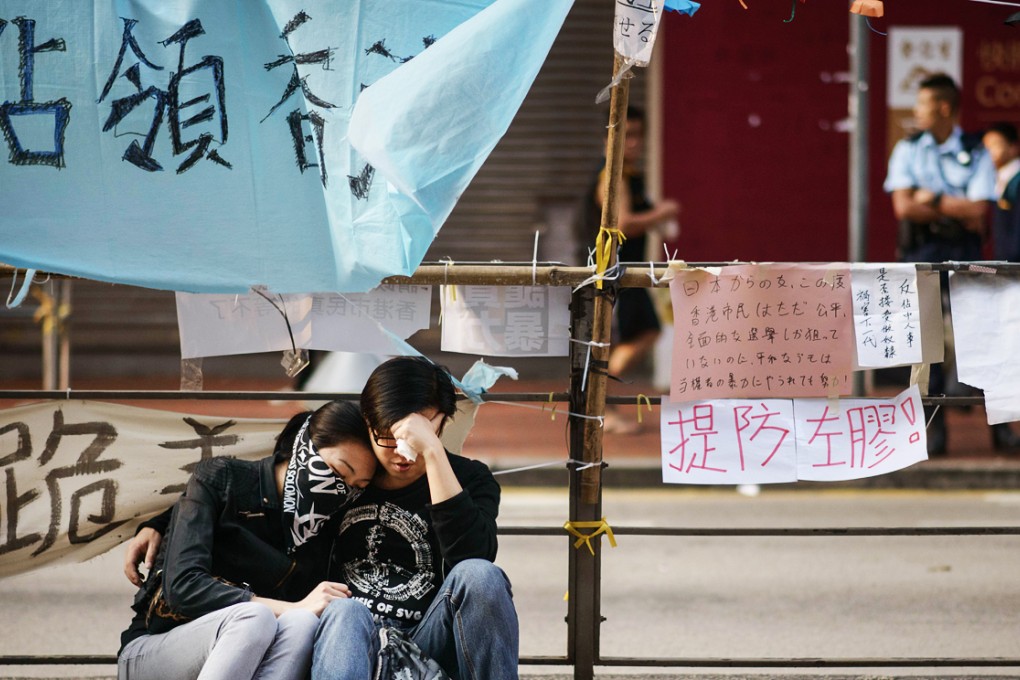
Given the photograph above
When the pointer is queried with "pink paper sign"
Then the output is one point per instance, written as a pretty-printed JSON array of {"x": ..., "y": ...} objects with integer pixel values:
[{"x": 771, "y": 330}]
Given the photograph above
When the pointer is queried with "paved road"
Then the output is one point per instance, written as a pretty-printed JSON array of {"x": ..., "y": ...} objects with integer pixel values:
[{"x": 695, "y": 597}]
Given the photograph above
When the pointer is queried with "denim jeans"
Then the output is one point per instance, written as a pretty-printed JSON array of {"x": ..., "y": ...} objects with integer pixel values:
[
  {"x": 242, "y": 642},
  {"x": 470, "y": 629}
]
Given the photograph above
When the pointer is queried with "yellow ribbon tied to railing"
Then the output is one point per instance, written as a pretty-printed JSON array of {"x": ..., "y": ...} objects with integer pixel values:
[
  {"x": 603, "y": 251},
  {"x": 49, "y": 315},
  {"x": 600, "y": 527}
]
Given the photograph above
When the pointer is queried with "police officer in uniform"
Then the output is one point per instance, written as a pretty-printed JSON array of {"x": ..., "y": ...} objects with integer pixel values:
[{"x": 942, "y": 183}]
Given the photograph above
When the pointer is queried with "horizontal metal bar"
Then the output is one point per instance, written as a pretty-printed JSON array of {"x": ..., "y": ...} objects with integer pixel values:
[
  {"x": 222, "y": 395},
  {"x": 777, "y": 532},
  {"x": 920, "y": 662},
  {"x": 636, "y": 274},
  {"x": 59, "y": 660}
]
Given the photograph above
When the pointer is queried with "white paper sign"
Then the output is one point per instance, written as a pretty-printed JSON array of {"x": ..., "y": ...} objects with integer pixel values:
[
  {"x": 915, "y": 54},
  {"x": 860, "y": 437},
  {"x": 765, "y": 441},
  {"x": 986, "y": 326},
  {"x": 887, "y": 315},
  {"x": 215, "y": 324},
  {"x": 728, "y": 441},
  {"x": 636, "y": 25},
  {"x": 506, "y": 321}
]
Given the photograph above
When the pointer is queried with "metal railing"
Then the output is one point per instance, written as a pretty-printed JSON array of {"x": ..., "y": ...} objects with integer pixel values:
[{"x": 585, "y": 488}]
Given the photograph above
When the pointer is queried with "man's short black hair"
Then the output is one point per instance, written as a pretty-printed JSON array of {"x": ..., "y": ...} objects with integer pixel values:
[
  {"x": 1007, "y": 130},
  {"x": 406, "y": 385},
  {"x": 944, "y": 88},
  {"x": 635, "y": 114}
]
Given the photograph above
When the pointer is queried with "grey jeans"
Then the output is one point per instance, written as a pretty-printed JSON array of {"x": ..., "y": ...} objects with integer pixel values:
[{"x": 243, "y": 642}]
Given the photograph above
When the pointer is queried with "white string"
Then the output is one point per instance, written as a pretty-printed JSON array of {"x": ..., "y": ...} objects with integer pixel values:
[
  {"x": 651, "y": 273},
  {"x": 590, "y": 343},
  {"x": 570, "y": 414},
  {"x": 534, "y": 260},
  {"x": 14, "y": 283},
  {"x": 584, "y": 374},
  {"x": 998, "y": 2},
  {"x": 549, "y": 464},
  {"x": 669, "y": 258},
  {"x": 611, "y": 274}
]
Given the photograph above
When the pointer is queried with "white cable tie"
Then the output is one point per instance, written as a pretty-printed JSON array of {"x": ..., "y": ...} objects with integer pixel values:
[
  {"x": 584, "y": 373},
  {"x": 534, "y": 260},
  {"x": 588, "y": 465},
  {"x": 611, "y": 274},
  {"x": 651, "y": 273},
  {"x": 69, "y": 394},
  {"x": 591, "y": 343}
]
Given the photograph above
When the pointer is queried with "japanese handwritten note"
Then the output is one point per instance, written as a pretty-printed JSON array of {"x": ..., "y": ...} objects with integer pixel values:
[
  {"x": 214, "y": 325},
  {"x": 860, "y": 438},
  {"x": 887, "y": 315},
  {"x": 763, "y": 441},
  {"x": 635, "y": 28},
  {"x": 761, "y": 331},
  {"x": 506, "y": 321}
]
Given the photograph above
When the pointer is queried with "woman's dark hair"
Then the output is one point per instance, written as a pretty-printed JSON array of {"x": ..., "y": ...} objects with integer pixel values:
[
  {"x": 406, "y": 385},
  {"x": 333, "y": 423},
  {"x": 1007, "y": 130}
]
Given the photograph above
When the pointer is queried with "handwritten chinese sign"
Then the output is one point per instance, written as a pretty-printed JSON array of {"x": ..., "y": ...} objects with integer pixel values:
[
  {"x": 735, "y": 441},
  {"x": 79, "y": 476},
  {"x": 761, "y": 331},
  {"x": 860, "y": 438},
  {"x": 506, "y": 321},
  {"x": 210, "y": 146},
  {"x": 887, "y": 315},
  {"x": 728, "y": 441},
  {"x": 214, "y": 325}
]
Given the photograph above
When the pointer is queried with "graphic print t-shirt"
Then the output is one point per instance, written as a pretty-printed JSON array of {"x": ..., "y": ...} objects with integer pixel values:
[{"x": 393, "y": 544}]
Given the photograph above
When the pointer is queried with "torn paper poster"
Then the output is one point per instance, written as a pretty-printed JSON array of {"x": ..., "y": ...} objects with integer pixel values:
[
  {"x": 986, "y": 324},
  {"x": 221, "y": 324},
  {"x": 506, "y": 320}
]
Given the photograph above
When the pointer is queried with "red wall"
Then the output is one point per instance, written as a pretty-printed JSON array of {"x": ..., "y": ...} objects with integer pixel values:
[{"x": 752, "y": 107}]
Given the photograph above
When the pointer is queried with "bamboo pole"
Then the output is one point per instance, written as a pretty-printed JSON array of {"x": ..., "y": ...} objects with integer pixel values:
[{"x": 591, "y": 480}]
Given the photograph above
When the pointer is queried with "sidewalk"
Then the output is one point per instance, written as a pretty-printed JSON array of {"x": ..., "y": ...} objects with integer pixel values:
[{"x": 509, "y": 436}]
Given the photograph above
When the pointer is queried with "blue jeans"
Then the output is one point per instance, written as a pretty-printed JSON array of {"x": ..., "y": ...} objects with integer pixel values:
[
  {"x": 470, "y": 629},
  {"x": 242, "y": 642}
]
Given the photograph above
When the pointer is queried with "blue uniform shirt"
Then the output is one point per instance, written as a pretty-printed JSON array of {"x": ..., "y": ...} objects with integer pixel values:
[{"x": 944, "y": 168}]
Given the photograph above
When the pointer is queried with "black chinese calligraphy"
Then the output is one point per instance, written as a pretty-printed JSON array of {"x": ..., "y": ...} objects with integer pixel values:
[
  {"x": 296, "y": 119},
  {"x": 208, "y": 438},
  {"x": 18, "y": 120},
  {"x": 186, "y": 115}
]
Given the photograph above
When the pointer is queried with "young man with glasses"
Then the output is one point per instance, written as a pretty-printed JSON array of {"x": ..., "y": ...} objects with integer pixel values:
[{"x": 416, "y": 549}]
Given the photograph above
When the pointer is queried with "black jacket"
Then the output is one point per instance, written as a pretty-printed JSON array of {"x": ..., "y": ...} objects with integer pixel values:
[{"x": 228, "y": 524}]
